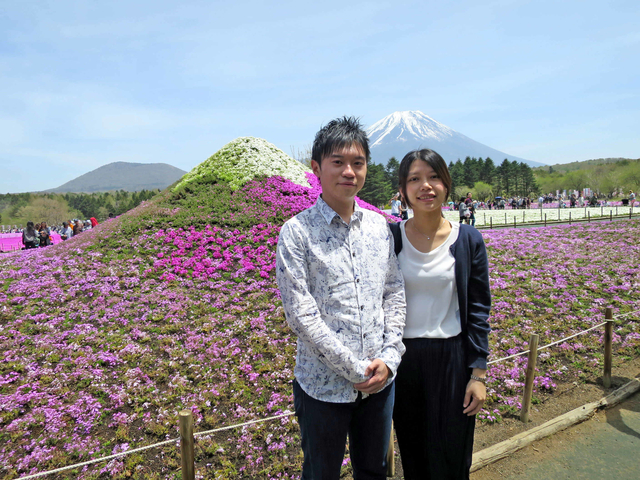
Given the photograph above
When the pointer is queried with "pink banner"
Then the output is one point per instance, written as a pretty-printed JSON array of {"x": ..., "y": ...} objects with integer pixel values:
[{"x": 13, "y": 241}]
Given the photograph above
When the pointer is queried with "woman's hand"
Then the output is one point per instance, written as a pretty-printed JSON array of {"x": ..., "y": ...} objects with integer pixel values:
[{"x": 475, "y": 395}]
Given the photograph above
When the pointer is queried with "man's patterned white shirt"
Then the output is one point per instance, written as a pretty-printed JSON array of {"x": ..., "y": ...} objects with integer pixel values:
[{"x": 343, "y": 296}]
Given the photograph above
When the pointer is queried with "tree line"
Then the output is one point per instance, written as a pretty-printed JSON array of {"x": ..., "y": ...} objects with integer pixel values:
[
  {"x": 54, "y": 208},
  {"x": 610, "y": 177},
  {"x": 481, "y": 177}
]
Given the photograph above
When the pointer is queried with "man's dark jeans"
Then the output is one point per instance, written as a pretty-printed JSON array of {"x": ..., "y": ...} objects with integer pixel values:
[{"x": 324, "y": 427}]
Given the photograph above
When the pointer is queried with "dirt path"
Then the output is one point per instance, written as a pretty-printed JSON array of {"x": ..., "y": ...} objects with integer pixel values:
[
  {"x": 606, "y": 446},
  {"x": 539, "y": 455}
]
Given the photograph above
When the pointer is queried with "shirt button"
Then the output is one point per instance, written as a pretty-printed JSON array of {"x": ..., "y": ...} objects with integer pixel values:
[
  {"x": 365, "y": 335},
  {"x": 353, "y": 254},
  {"x": 358, "y": 280},
  {"x": 361, "y": 307}
]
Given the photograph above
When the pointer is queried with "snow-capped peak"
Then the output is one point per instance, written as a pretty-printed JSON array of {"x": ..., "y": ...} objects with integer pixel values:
[{"x": 405, "y": 126}]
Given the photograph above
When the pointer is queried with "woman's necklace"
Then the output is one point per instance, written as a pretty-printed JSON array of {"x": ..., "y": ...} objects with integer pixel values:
[{"x": 415, "y": 229}]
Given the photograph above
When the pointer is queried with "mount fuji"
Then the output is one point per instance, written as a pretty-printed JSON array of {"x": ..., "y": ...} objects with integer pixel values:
[{"x": 397, "y": 134}]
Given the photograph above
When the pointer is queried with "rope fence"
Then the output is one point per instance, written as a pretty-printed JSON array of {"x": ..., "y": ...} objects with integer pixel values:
[
  {"x": 546, "y": 346},
  {"x": 186, "y": 422},
  {"x": 97, "y": 460},
  {"x": 550, "y": 216},
  {"x": 140, "y": 449},
  {"x": 208, "y": 432}
]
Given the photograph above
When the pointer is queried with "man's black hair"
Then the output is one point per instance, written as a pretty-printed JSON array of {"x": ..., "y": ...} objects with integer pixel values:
[{"x": 338, "y": 134}]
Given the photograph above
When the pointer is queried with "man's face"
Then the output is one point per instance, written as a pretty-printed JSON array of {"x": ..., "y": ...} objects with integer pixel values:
[{"x": 341, "y": 175}]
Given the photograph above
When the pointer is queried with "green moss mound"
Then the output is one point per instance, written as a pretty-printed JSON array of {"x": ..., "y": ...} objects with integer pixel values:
[{"x": 244, "y": 159}]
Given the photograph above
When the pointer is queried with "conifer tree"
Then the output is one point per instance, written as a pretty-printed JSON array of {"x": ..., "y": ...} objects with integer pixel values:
[
  {"x": 377, "y": 189},
  {"x": 391, "y": 171}
]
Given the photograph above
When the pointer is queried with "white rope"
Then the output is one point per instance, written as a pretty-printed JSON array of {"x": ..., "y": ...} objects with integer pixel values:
[
  {"x": 572, "y": 336},
  {"x": 507, "y": 358},
  {"x": 627, "y": 314},
  {"x": 110, "y": 457},
  {"x": 242, "y": 424},
  {"x": 546, "y": 346},
  {"x": 96, "y": 460},
  {"x": 561, "y": 340}
]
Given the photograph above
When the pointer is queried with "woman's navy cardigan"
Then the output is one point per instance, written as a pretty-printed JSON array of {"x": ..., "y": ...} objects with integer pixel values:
[{"x": 472, "y": 283}]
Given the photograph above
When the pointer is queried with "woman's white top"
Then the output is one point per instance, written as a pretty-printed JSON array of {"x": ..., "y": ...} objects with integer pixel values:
[{"x": 430, "y": 288}]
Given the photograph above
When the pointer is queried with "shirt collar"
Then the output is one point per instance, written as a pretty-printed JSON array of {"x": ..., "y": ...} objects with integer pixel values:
[{"x": 329, "y": 213}]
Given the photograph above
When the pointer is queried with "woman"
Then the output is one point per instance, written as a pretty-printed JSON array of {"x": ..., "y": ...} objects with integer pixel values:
[
  {"x": 29, "y": 236},
  {"x": 77, "y": 227},
  {"x": 45, "y": 237},
  {"x": 463, "y": 209},
  {"x": 396, "y": 206},
  {"x": 440, "y": 382}
]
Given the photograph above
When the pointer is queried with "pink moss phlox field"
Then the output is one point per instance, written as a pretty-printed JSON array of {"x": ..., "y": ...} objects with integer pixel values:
[{"x": 105, "y": 338}]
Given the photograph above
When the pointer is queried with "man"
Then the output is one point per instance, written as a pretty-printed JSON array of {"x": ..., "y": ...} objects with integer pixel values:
[{"x": 343, "y": 296}]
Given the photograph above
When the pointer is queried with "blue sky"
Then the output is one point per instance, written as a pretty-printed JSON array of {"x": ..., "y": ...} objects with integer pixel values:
[{"x": 87, "y": 83}]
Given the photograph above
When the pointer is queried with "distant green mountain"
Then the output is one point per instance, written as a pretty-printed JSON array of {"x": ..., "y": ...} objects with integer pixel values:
[{"x": 130, "y": 177}]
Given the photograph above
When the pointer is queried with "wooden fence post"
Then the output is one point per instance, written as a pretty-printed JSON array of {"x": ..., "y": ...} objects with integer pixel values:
[
  {"x": 608, "y": 338},
  {"x": 589, "y": 217},
  {"x": 610, "y": 215},
  {"x": 491, "y": 220},
  {"x": 545, "y": 219},
  {"x": 514, "y": 221},
  {"x": 569, "y": 218},
  {"x": 531, "y": 375},
  {"x": 391, "y": 459},
  {"x": 186, "y": 445}
]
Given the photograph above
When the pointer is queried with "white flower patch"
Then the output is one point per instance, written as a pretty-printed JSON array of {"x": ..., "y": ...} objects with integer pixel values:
[{"x": 246, "y": 158}]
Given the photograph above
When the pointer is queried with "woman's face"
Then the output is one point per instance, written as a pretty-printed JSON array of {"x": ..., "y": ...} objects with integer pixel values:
[{"x": 425, "y": 188}]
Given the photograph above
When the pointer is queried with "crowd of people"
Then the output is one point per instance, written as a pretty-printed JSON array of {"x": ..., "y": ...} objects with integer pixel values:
[
  {"x": 39, "y": 235},
  {"x": 467, "y": 206},
  {"x": 518, "y": 203}
]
